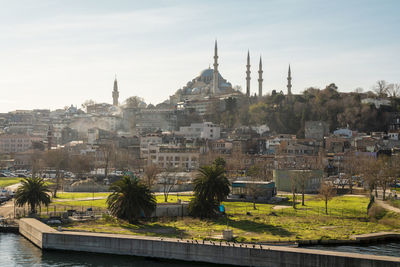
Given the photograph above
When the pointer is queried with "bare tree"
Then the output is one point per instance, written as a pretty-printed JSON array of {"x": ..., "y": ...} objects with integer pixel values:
[
  {"x": 359, "y": 90},
  {"x": 293, "y": 185},
  {"x": 57, "y": 159},
  {"x": 135, "y": 102},
  {"x": 350, "y": 166},
  {"x": 255, "y": 176},
  {"x": 150, "y": 173},
  {"x": 36, "y": 162},
  {"x": 302, "y": 177},
  {"x": 169, "y": 178},
  {"x": 370, "y": 170},
  {"x": 327, "y": 192},
  {"x": 259, "y": 172},
  {"x": 388, "y": 173},
  {"x": 381, "y": 88},
  {"x": 394, "y": 90},
  {"x": 80, "y": 164},
  {"x": 235, "y": 164},
  {"x": 108, "y": 153}
]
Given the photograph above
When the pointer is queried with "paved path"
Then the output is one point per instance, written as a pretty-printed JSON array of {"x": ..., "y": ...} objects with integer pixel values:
[
  {"x": 387, "y": 206},
  {"x": 78, "y": 199},
  {"x": 7, "y": 208},
  {"x": 13, "y": 187}
]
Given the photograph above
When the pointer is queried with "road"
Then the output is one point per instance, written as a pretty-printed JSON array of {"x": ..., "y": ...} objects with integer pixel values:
[{"x": 7, "y": 208}]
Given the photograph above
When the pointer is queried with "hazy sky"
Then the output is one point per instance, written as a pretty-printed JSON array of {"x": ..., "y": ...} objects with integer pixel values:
[{"x": 57, "y": 53}]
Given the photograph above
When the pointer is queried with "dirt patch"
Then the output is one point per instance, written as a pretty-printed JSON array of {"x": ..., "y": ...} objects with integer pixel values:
[
  {"x": 328, "y": 227},
  {"x": 279, "y": 207}
]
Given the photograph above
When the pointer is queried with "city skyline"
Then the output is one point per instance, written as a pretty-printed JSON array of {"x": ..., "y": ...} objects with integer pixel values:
[{"x": 54, "y": 54}]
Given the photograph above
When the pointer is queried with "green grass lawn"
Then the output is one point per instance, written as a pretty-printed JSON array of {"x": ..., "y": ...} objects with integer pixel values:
[
  {"x": 395, "y": 203},
  {"x": 68, "y": 199},
  {"x": 79, "y": 195},
  {"x": 6, "y": 181},
  {"x": 347, "y": 216},
  {"x": 173, "y": 198}
]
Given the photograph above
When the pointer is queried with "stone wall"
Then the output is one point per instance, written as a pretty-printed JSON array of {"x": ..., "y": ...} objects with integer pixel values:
[
  {"x": 189, "y": 250},
  {"x": 171, "y": 210},
  {"x": 33, "y": 230}
]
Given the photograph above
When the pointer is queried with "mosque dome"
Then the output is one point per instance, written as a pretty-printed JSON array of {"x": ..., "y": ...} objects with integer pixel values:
[{"x": 207, "y": 73}]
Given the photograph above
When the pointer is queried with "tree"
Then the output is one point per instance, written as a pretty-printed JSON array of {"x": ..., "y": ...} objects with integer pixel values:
[
  {"x": 33, "y": 191},
  {"x": 80, "y": 164},
  {"x": 135, "y": 102},
  {"x": 130, "y": 199},
  {"x": 388, "y": 172},
  {"x": 150, "y": 173},
  {"x": 256, "y": 174},
  {"x": 108, "y": 153},
  {"x": 370, "y": 170},
  {"x": 327, "y": 191},
  {"x": 210, "y": 188},
  {"x": 302, "y": 178},
  {"x": 293, "y": 187},
  {"x": 36, "y": 162},
  {"x": 394, "y": 90},
  {"x": 57, "y": 159},
  {"x": 350, "y": 166},
  {"x": 169, "y": 178},
  {"x": 381, "y": 88},
  {"x": 220, "y": 161}
]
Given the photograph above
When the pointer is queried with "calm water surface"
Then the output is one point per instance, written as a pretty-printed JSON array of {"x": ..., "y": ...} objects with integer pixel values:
[
  {"x": 383, "y": 249},
  {"x": 15, "y": 250}
]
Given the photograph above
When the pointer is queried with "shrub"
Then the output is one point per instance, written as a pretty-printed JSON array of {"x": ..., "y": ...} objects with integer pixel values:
[{"x": 376, "y": 212}]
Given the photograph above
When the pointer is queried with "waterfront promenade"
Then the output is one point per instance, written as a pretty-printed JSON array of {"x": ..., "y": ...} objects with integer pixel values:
[{"x": 46, "y": 237}]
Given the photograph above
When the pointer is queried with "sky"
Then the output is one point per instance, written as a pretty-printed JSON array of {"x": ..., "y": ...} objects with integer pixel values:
[{"x": 56, "y": 53}]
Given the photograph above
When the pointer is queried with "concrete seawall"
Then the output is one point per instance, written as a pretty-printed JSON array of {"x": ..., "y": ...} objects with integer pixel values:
[{"x": 214, "y": 252}]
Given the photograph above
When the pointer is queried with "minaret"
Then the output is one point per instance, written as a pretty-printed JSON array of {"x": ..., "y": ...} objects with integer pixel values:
[
  {"x": 248, "y": 75},
  {"x": 115, "y": 93},
  {"x": 215, "y": 74},
  {"x": 260, "y": 79},
  {"x": 289, "y": 82}
]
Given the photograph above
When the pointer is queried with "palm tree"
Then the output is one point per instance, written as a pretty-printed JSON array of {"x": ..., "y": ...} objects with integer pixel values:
[
  {"x": 33, "y": 191},
  {"x": 210, "y": 188},
  {"x": 130, "y": 199}
]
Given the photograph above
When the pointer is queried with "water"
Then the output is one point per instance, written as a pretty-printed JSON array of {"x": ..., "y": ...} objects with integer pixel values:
[
  {"x": 382, "y": 249},
  {"x": 15, "y": 250}
]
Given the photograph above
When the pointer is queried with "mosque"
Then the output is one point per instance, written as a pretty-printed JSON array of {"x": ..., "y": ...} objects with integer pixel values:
[{"x": 211, "y": 84}]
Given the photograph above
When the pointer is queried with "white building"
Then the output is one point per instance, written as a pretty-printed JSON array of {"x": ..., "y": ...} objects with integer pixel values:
[
  {"x": 183, "y": 158},
  {"x": 205, "y": 130},
  {"x": 147, "y": 142},
  {"x": 377, "y": 102},
  {"x": 343, "y": 132}
]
